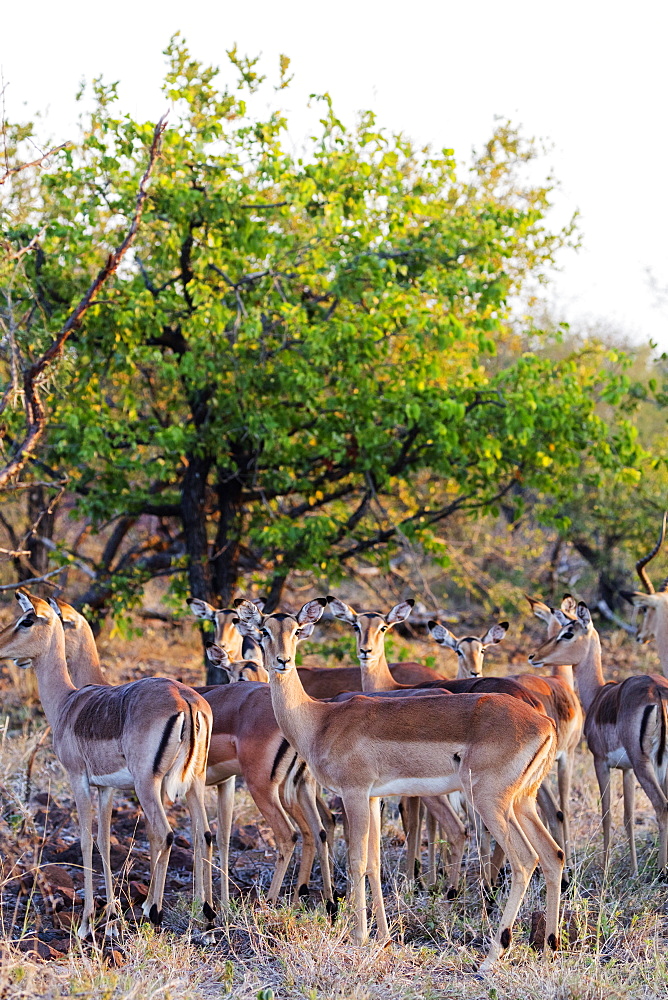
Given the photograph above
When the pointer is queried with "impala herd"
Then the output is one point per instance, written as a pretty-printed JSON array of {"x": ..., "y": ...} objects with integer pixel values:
[{"x": 469, "y": 752}]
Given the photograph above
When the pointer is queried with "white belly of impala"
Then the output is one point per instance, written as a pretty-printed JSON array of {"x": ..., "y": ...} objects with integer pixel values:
[
  {"x": 119, "y": 779},
  {"x": 441, "y": 785},
  {"x": 618, "y": 758}
]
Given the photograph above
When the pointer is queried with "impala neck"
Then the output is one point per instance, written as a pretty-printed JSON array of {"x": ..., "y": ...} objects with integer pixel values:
[
  {"x": 53, "y": 680},
  {"x": 376, "y": 674},
  {"x": 83, "y": 660},
  {"x": 589, "y": 672},
  {"x": 565, "y": 674},
  {"x": 293, "y": 708},
  {"x": 661, "y": 637}
]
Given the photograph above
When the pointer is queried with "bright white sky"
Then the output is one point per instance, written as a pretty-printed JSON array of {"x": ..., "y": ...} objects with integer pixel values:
[{"x": 588, "y": 76}]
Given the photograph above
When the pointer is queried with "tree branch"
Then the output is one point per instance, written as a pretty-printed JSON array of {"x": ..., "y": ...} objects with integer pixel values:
[
  {"x": 33, "y": 163},
  {"x": 35, "y": 412}
]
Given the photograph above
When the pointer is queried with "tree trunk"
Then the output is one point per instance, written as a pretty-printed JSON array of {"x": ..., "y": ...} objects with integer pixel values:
[
  {"x": 228, "y": 537},
  {"x": 193, "y": 514}
]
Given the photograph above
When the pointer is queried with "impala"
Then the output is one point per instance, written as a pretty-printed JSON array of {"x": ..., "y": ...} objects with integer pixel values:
[
  {"x": 625, "y": 724},
  {"x": 494, "y": 749},
  {"x": 653, "y": 605},
  {"x": 151, "y": 736},
  {"x": 370, "y": 629},
  {"x": 555, "y": 693},
  {"x": 245, "y": 740}
]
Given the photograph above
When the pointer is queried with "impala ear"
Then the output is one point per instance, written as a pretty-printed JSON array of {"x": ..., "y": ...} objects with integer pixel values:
[
  {"x": 342, "y": 611},
  {"x": 583, "y": 613},
  {"x": 25, "y": 601},
  {"x": 67, "y": 614},
  {"x": 306, "y": 630},
  {"x": 442, "y": 635},
  {"x": 561, "y": 617},
  {"x": 250, "y": 650},
  {"x": 539, "y": 609},
  {"x": 249, "y": 613},
  {"x": 247, "y": 629},
  {"x": 495, "y": 634},
  {"x": 569, "y": 605},
  {"x": 311, "y": 613},
  {"x": 400, "y": 612},
  {"x": 201, "y": 609},
  {"x": 217, "y": 655},
  {"x": 56, "y": 607},
  {"x": 259, "y": 603},
  {"x": 638, "y": 599}
]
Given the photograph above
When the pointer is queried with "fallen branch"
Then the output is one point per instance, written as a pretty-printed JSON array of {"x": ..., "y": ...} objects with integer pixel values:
[{"x": 35, "y": 412}]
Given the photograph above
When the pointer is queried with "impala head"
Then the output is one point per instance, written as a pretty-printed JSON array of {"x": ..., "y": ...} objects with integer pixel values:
[
  {"x": 278, "y": 634},
  {"x": 226, "y": 634},
  {"x": 31, "y": 633},
  {"x": 370, "y": 626},
  {"x": 470, "y": 649},
  {"x": 237, "y": 670},
  {"x": 571, "y": 643},
  {"x": 652, "y": 604}
]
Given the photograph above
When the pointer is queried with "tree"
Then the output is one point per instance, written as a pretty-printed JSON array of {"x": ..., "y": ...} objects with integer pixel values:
[{"x": 297, "y": 367}]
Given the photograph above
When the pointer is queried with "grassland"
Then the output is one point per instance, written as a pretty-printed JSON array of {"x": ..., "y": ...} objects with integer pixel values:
[{"x": 615, "y": 928}]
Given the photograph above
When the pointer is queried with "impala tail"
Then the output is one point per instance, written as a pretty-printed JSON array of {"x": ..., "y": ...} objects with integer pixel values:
[{"x": 185, "y": 741}]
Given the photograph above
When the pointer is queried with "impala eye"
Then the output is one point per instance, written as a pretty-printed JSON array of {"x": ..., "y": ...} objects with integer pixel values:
[
  {"x": 265, "y": 634},
  {"x": 27, "y": 622},
  {"x": 383, "y": 628}
]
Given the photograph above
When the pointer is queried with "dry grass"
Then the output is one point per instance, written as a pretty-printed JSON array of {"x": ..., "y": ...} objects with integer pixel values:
[{"x": 618, "y": 926}]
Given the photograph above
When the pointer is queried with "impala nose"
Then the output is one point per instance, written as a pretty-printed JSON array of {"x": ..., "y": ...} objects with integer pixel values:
[
  {"x": 365, "y": 652},
  {"x": 283, "y": 660}
]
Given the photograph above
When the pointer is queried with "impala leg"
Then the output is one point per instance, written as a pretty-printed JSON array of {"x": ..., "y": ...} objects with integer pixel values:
[
  {"x": 432, "y": 872},
  {"x": 552, "y": 814},
  {"x": 225, "y": 811},
  {"x": 105, "y": 805},
  {"x": 161, "y": 837},
  {"x": 629, "y": 780},
  {"x": 440, "y": 806},
  {"x": 358, "y": 812},
  {"x": 267, "y": 799},
  {"x": 308, "y": 800},
  {"x": 308, "y": 849},
  {"x": 202, "y": 848},
  {"x": 412, "y": 819},
  {"x": 496, "y": 864},
  {"x": 551, "y": 860},
  {"x": 82, "y": 798},
  {"x": 373, "y": 870},
  {"x": 649, "y": 783},
  {"x": 565, "y": 765},
  {"x": 603, "y": 778},
  {"x": 522, "y": 857}
]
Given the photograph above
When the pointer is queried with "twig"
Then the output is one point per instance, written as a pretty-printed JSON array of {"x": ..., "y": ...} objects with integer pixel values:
[
  {"x": 35, "y": 413},
  {"x": 34, "y": 163},
  {"x": 33, "y": 579}
]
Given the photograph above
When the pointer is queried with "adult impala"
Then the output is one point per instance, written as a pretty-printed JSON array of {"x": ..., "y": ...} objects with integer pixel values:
[
  {"x": 625, "y": 725},
  {"x": 653, "y": 604},
  {"x": 492, "y": 748},
  {"x": 151, "y": 736},
  {"x": 246, "y": 741},
  {"x": 556, "y": 694}
]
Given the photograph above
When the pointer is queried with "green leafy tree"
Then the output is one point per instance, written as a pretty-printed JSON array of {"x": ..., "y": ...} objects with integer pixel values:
[{"x": 297, "y": 368}]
